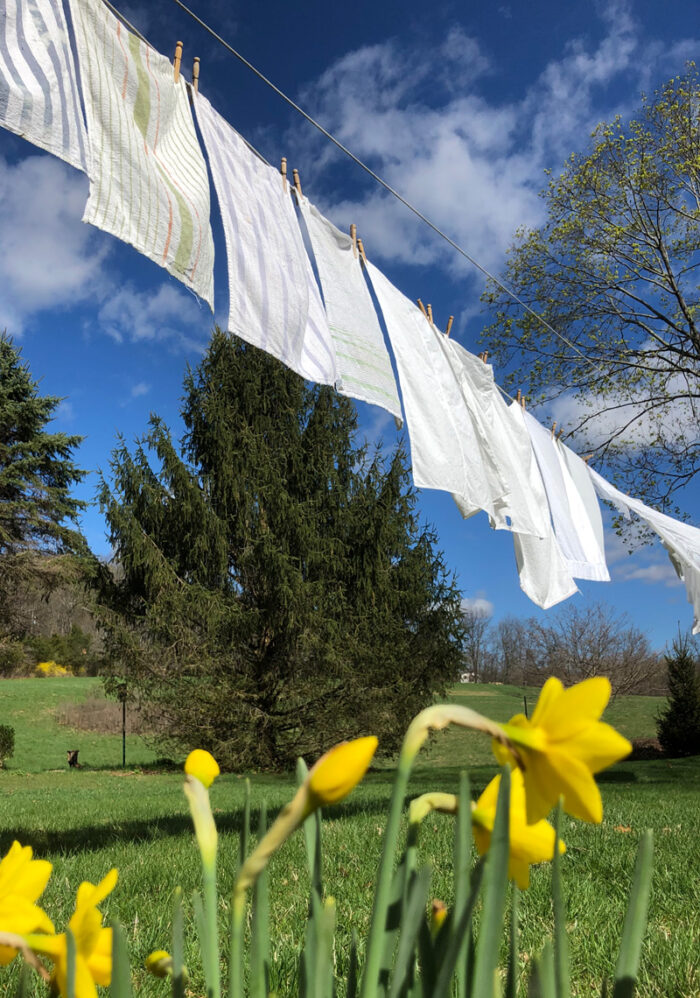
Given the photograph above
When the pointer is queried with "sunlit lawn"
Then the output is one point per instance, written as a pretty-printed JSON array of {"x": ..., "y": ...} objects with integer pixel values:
[{"x": 89, "y": 820}]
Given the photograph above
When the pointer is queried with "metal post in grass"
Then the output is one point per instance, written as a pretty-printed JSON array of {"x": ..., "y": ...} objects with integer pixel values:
[{"x": 122, "y": 696}]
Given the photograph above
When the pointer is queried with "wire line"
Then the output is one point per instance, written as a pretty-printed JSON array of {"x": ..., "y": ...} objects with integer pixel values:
[{"x": 375, "y": 176}]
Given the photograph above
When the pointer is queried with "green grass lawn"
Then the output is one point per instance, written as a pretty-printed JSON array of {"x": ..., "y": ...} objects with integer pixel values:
[{"x": 89, "y": 820}]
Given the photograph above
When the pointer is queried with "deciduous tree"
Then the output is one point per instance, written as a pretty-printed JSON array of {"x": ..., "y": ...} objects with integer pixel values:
[{"x": 614, "y": 270}]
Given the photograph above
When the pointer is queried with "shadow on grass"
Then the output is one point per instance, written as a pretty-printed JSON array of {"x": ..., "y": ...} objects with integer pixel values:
[{"x": 375, "y": 801}]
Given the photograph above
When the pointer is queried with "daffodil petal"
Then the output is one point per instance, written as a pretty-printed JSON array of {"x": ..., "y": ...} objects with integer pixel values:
[
  {"x": 598, "y": 746},
  {"x": 19, "y": 915},
  {"x": 53, "y": 946},
  {"x": 84, "y": 983},
  {"x": 489, "y": 797},
  {"x": 578, "y": 707},
  {"x": 482, "y": 839},
  {"x": 574, "y": 780},
  {"x": 542, "y": 786},
  {"x": 7, "y": 955},
  {"x": 100, "y": 960},
  {"x": 546, "y": 702},
  {"x": 519, "y": 871}
]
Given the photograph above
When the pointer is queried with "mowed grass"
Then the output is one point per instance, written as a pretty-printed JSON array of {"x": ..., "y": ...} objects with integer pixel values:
[{"x": 90, "y": 820}]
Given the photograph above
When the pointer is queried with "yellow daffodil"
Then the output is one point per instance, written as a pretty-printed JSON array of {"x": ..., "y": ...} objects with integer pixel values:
[
  {"x": 93, "y": 943},
  {"x": 527, "y": 843},
  {"x": 22, "y": 881},
  {"x": 562, "y": 745},
  {"x": 340, "y": 770},
  {"x": 203, "y": 766}
]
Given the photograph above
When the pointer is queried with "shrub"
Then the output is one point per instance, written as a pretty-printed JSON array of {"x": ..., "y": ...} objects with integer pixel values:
[
  {"x": 52, "y": 669},
  {"x": 7, "y": 743},
  {"x": 678, "y": 727}
]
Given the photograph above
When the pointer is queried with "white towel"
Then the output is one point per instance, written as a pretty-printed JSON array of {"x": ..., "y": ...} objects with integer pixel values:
[
  {"x": 681, "y": 540},
  {"x": 364, "y": 366},
  {"x": 544, "y": 574},
  {"x": 504, "y": 444},
  {"x": 274, "y": 302},
  {"x": 444, "y": 450},
  {"x": 574, "y": 532},
  {"x": 148, "y": 178},
  {"x": 38, "y": 84}
]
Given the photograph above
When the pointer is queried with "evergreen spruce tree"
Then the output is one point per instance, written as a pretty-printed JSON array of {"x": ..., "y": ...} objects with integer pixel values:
[
  {"x": 36, "y": 467},
  {"x": 37, "y": 511},
  {"x": 678, "y": 727},
  {"x": 276, "y": 592}
]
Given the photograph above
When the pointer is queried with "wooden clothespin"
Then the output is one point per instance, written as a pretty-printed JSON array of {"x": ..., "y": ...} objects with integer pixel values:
[
  {"x": 518, "y": 397},
  {"x": 283, "y": 171},
  {"x": 362, "y": 251},
  {"x": 195, "y": 74},
  {"x": 177, "y": 60},
  {"x": 449, "y": 325},
  {"x": 554, "y": 428},
  {"x": 485, "y": 358},
  {"x": 297, "y": 182},
  {"x": 421, "y": 306},
  {"x": 353, "y": 236},
  {"x": 522, "y": 402},
  {"x": 587, "y": 457},
  {"x": 430, "y": 314},
  {"x": 560, "y": 434}
]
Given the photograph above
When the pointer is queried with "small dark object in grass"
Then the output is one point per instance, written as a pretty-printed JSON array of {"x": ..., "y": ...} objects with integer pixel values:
[
  {"x": 646, "y": 748},
  {"x": 73, "y": 758}
]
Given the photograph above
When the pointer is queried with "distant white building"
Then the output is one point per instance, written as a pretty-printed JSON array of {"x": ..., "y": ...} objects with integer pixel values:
[{"x": 467, "y": 677}]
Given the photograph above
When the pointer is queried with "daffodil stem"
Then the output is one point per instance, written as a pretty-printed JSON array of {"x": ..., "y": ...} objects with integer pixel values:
[
  {"x": 235, "y": 989},
  {"x": 375, "y": 944},
  {"x": 211, "y": 935}
]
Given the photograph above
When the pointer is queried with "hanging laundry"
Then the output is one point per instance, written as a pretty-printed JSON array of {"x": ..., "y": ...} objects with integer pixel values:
[
  {"x": 544, "y": 574},
  {"x": 274, "y": 302},
  {"x": 681, "y": 540},
  {"x": 148, "y": 178},
  {"x": 364, "y": 366},
  {"x": 574, "y": 531},
  {"x": 38, "y": 89},
  {"x": 444, "y": 450},
  {"x": 504, "y": 444}
]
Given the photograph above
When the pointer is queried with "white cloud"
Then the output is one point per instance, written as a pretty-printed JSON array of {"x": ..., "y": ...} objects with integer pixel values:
[
  {"x": 472, "y": 164},
  {"x": 49, "y": 258},
  {"x": 477, "y": 606},
  {"x": 139, "y": 389},
  {"x": 648, "y": 564},
  {"x": 165, "y": 314}
]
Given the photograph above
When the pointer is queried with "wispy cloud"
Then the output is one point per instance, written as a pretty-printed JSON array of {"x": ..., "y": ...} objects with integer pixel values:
[
  {"x": 49, "y": 258},
  {"x": 166, "y": 315}
]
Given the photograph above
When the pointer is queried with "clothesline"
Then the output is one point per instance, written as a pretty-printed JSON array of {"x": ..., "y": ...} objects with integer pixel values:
[{"x": 297, "y": 288}]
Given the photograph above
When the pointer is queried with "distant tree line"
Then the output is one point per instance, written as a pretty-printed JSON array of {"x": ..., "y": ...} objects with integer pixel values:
[{"x": 574, "y": 643}]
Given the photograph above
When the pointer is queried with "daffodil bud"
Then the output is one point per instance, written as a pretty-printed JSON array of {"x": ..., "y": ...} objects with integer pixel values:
[
  {"x": 203, "y": 766},
  {"x": 340, "y": 770},
  {"x": 159, "y": 963}
]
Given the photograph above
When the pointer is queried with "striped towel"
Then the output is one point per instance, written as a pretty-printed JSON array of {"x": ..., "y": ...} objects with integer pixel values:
[
  {"x": 38, "y": 89},
  {"x": 274, "y": 302},
  {"x": 148, "y": 178},
  {"x": 364, "y": 366}
]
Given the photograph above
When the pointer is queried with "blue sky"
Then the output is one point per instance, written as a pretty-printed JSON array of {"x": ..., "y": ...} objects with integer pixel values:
[{"x": 461, "y": 107}]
